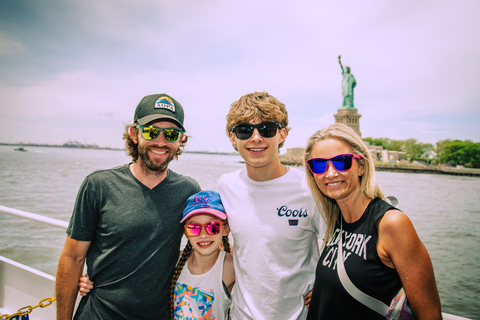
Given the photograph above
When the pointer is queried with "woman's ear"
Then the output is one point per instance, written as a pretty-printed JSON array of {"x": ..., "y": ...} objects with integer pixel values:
[{"x": 361, "y": 168}]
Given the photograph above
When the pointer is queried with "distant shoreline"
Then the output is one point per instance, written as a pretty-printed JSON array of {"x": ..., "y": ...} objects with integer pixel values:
[
  {"x": 65, "y": 145},
  {"x": 290, "y": 162},
  {"x": 405, "y": 168},
  {"x": 95, "y": 147},
  {"x": 430, "y": 169}
]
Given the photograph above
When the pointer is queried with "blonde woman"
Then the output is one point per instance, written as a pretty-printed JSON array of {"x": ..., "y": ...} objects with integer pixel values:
[{"x": 382, "y": 251}]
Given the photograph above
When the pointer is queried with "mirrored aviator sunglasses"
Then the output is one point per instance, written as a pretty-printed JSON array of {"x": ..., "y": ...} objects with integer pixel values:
[
  {"x": 244, "y": 131},
  {"x": 342, "y": 162},
  {"x": 194, "y": 229},
  {"x": 152, "y": 133}
]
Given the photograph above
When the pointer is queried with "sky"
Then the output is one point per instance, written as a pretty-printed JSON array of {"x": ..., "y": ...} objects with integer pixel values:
[{"x": 76, "y": 70}]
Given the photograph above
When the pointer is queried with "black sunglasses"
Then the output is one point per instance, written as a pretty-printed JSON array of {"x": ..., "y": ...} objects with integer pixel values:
[{"x": 244, "y": 131}]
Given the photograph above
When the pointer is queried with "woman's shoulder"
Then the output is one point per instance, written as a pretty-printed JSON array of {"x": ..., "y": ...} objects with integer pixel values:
[
  {"x": 396, "y": 231},
  {"x": 397, "y": 236},
  {"x": 394, "y": 220},
  {"x": 377, "y": 209}
]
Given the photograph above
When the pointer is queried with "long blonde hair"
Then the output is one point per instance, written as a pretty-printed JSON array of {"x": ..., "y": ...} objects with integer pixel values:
[{"x": 368, "y": 182}]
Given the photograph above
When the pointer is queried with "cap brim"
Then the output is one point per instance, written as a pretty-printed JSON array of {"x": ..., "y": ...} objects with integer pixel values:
[
  {"x": 147, "y": 119},
  {"x": 216, "y": 213}
]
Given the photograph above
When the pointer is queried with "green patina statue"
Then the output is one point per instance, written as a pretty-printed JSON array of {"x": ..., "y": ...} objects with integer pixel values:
[{"x": 348, "y": 83}]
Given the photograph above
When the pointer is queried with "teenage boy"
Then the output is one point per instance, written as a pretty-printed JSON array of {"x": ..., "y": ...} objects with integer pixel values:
[
  {"x": 125, "y": 223},
  {"x": 272, "y": 215}
]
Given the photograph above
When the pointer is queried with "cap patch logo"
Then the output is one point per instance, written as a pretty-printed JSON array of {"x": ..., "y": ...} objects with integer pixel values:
[
  {"x": 165, "y": 103},
  {"x": 203, "y": 201}
]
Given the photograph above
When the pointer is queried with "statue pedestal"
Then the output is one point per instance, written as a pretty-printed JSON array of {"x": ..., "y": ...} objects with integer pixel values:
[{"x": 349, "y": 117}]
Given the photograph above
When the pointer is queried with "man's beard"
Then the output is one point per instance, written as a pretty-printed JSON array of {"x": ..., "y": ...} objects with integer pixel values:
[{"x": 148, "y": 166}]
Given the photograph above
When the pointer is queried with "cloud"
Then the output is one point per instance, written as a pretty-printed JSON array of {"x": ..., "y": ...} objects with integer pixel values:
[
  {"x": 9, "y": 47},
  {"x": 76, "y": 71}
]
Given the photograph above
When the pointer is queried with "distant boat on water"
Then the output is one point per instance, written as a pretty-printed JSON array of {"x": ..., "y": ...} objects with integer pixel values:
[{"x": 20, "y": 149}]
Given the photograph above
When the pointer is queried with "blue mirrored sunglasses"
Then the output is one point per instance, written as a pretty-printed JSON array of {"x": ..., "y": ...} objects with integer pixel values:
[{"x": 342, "y": 162}]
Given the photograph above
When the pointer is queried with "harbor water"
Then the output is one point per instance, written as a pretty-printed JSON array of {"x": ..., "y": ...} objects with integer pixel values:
[{"x": 445, "y": 210}]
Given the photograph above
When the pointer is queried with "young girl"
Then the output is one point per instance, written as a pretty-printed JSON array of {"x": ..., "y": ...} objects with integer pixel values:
[{"x": 204, "y": 277}]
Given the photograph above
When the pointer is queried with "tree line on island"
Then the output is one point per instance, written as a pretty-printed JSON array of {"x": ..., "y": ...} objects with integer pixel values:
[{"x": 449, "y": 152}]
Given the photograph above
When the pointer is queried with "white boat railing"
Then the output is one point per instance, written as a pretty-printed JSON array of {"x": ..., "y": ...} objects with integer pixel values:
[
  {"x": 35, "y": 217},
  {"x": 22, "y": 287},
  {"x": 10, "y": 270}
]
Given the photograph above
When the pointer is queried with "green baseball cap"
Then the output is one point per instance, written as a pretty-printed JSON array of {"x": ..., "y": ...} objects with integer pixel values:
[{"x": 159, "y": 107}]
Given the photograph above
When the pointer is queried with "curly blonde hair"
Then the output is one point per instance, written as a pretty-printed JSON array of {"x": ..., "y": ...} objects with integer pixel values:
[{"x": 257, "y": 106}]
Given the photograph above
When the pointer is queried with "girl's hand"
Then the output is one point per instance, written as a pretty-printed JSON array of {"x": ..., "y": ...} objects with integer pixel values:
[
  {"x": 84, "y": 285},
  {"x": 307, "y": 298}
]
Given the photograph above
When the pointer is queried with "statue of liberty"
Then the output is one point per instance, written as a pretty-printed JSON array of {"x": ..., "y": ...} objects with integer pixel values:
[{"x": 348, "y": 83}]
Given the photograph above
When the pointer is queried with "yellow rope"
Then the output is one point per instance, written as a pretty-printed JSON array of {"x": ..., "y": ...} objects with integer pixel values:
[{"x": 28, "y": 309}]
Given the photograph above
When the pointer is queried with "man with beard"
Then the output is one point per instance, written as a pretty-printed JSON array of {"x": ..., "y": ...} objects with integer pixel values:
[{"x": 125, "y": 223}]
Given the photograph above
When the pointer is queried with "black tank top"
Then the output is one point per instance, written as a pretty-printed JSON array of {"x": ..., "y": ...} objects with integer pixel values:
[{"x": 363, "y": 267}]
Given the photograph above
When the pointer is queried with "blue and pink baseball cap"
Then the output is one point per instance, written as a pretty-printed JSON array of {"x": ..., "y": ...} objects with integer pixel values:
[{"x": 204, "y": 202}]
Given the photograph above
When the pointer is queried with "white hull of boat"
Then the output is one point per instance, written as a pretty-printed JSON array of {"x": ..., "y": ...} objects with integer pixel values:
[{"x": 22, "y": 286}]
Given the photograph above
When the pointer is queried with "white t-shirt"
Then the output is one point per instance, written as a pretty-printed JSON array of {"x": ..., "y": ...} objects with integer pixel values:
[
  {"x": 275, "y": 226},
  {"x": 202, "y": 296}
]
